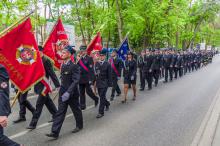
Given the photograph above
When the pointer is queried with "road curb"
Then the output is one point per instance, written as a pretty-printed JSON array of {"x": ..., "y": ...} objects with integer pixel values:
[{"x": 206, "y": 133}]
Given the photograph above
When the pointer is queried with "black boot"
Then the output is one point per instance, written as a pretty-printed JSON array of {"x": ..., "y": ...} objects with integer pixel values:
[{"x": 20, "y": 119}]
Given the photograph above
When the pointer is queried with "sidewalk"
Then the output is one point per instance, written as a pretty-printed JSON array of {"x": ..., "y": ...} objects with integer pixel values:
[{"x": 209, "y": 131}]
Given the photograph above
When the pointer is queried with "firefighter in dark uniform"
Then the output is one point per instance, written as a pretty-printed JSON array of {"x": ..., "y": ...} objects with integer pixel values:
[
  {"x": 147, "y": 69},
  {"x": 86, "y": 73},
  {"x": 178, "y": 65},
  {"x": 175, "y": 67},
  {"x": 23, "y": 104},
  {"x": 116, "y": 67},
  {"x": 5, "y": 108},
  {"x": 130, "y": 76},
  {"x": 156, "y": 66},
  {"x": 44, "y": 99},
  {"x": 184, "y": 62},
  {"x": 141, "y": 66},
  {"x": 168, "y": 65},
  {"x": 194, "y": 61},
  {"x": 68, "y": 94},
  {"x": 103, "y": 81}
]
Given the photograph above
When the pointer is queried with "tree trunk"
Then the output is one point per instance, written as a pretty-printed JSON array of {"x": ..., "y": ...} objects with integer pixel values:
[
  {"x": 120, "y": 23},
  {"x": 177, "y": 39},
  {"x": 80, "y": 24}
]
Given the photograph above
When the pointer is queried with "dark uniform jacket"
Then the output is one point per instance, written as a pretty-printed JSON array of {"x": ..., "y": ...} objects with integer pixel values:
[
  {"x": 130, "y": 69},
  {"x": 174, "y": 60},
  {"x": 179, "y": 62},
  {"x": 86, "y": 76},
  {"x": 5, "y": 108},
  {"x": 38, "y": 88},
  {"x": 148, "y": 61},
  {"x": 103, "y": 74},
  {"x": 70, "y": 76},
  {"x": 167, "y": 60},
  {"x": 140, "y": 62},
  {"x": 118, "y": 65},
  {"x": 157, "y": 62}
]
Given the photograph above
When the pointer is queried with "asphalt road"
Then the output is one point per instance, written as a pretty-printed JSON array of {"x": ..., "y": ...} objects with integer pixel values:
[{"x": 168, "y": 115}]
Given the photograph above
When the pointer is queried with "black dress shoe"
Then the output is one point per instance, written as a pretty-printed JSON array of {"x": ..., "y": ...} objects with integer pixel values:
[
  {"x": 150, "y": 88},
  {"x": 77, "y": 129},
  {"x": 99, "y": 116},
  {"x": 112, "y": 98},
  {"x": 20, "y": 119},
  {"x": 31, "y": 127},
  {"x": 118, "y": 94},
  {"x": 107, "y": 108},
  {"x": 142, "y": 89},
  {"x": 52, "y": 135},
  {"x": 83, "y": 107},
  {"x": 96, "y": 103},
  {"x": 164, "y": 81},
  {"x": 124, "y": 101}
]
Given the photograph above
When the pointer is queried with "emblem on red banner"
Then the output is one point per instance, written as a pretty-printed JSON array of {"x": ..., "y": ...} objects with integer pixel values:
[{"x": 26, "y": 55}]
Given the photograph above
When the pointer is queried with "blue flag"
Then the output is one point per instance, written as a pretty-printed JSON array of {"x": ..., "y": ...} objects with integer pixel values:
[{"x": 123, "y": 50}]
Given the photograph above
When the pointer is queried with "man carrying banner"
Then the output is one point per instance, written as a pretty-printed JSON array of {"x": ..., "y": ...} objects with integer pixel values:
[
  {"x": 69, "y": 94},
  {"x": 116, "y": 65},
  {"x": 44, "y": 98},
  {"x": 21, "y": 59},
  {"x": 5, "y": 109},
  {"x": 86, "y": 73}
]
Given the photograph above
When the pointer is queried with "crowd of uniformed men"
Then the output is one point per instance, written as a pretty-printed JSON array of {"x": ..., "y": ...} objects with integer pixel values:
[{"x": 94, "y": 75}]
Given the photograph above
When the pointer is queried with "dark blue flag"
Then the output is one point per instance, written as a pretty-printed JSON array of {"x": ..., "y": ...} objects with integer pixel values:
[{"x": 124, "y": 49}]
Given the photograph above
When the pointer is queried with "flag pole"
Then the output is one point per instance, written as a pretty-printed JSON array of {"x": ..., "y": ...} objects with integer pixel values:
[
  {"x": 55, "y": 96},
  {"x": 15, "y": 99},
  {"x": 59, "y": 17},
  {"x": 14, "y": 24},
  {"x": 124, "y": 39}
]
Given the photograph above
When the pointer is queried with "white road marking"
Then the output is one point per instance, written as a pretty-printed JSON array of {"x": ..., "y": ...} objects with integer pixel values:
[{"x": 42, "y": 125}]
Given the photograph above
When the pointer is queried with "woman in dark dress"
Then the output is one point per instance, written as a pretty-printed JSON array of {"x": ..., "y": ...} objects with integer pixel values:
[{"x": 130, "y": 76}]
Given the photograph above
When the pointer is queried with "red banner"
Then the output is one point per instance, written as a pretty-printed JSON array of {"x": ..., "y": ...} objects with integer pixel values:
[
  {"x": 55, "y": 43},
  {"x": 96, "y": 44},
  {"x": 19, "y": 54}
]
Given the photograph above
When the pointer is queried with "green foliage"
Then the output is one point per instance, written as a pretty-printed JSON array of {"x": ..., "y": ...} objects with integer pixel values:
[{"x": 148, "y": 23}]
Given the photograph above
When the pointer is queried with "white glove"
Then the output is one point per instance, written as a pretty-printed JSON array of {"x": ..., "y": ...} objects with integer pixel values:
[
  {"x": 65, "y": 96},
  {"x": 132, "y": 78}
]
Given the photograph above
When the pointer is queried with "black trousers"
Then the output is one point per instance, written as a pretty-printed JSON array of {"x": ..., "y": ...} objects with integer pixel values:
[
  {"x": 193, "y": 65},
  {"x": 73, "y": 102},
  {"x": 86, "y": 88},
  {"x": 103, "y": 101},
  {"x": 181, "y": 71},
  {"x": 142, "y": 78},
  {"x": 156, "y": 75},
  {"x": 162, "y": 72},
  {"x": 24, "y": 103},
  {"x": 115, "y": 87},
  {"x": 175, "y": 69},
  {"x": 149, "y": 78},
  {"x": 41, "y": 101},
  {"x": 185, "y": 69},
  {"x": 5, "y": 141},
  {"x": 189, "y": 67},
  {"x": 168, "y": 70}
]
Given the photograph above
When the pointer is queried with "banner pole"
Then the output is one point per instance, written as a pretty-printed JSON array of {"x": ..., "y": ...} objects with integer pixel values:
[
  {"x": 14, "y": 24},
  {"x": 15, "y": 99}
]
